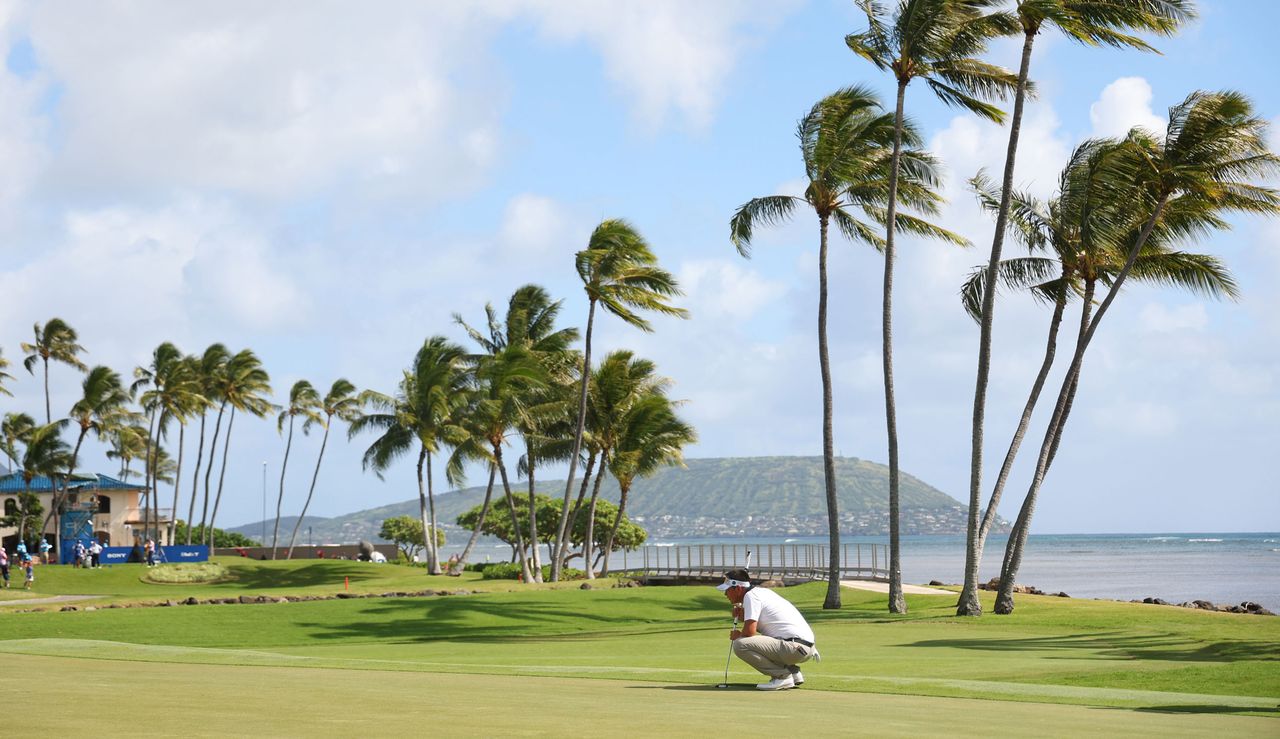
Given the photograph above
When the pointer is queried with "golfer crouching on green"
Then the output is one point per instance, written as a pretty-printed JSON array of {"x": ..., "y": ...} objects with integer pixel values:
[{"x": 774, "y": 637}]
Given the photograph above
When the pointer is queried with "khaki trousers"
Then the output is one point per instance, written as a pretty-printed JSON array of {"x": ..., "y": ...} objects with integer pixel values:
[{"x": 770, "y": 656}]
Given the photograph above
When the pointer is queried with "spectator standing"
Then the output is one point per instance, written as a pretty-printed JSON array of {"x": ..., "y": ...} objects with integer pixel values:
[
  {"x": 4, "y": 566},
  {"x": 45, "y": 546},
  {"x": 95, "y": 554}
]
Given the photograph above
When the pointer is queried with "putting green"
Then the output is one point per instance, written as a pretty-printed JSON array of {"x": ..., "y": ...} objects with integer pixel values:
[{"x": 65, "y": 694}]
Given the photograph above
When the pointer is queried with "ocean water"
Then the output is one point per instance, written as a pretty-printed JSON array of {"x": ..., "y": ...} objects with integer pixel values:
[{"x": 1226, "y": 568}]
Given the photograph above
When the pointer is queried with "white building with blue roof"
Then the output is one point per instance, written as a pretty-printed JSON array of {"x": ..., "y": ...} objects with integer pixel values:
[{"x": 95, "y": 506}]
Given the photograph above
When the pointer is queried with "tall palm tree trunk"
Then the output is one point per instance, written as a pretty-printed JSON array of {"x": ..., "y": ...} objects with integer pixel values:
[
  {"x": 422, "y": 504},
  {"x": 832, "y": 600},
  {"x": 177, "y": 482},
  {"x": 311, "y": 491},
  {"x": 582, "y": 422},
  {"x": 147, "y": 523},
  {"x": 1066, "y": 396},
  {"x": 617, "y": 521},
  {"x": 588, "y": 542},
  {"x": 989, "y": 518},
  {"x": 897, "y": 603},
  {"x": 484, "y": 513},
  {"x": 535, "y": 557},
  {"x": 155, "y": 480},
  {"x": 275, "y": 532},
  {"x": 48, "y": 412},
  {"x": 57, "y": 499},
  {"x": 562, "y": 544},
  {"x": 22, "y": 519},
  {"x": 195, "y": 482},
  {"x": 429, "y": 536},
  {"x": 969, "y": 605},
  {"x": 208, "y": 472},
  {"x": 511, "y": 508},
  {"x": 1018, "y": 536},
  {"x": 222, "y": 473}
]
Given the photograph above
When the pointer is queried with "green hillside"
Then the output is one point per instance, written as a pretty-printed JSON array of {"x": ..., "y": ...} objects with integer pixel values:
[{"x": 733, "y": 496}]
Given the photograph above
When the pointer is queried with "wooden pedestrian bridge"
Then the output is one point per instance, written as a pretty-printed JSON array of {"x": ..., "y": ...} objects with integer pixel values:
[{"x": 787, "y": 563}]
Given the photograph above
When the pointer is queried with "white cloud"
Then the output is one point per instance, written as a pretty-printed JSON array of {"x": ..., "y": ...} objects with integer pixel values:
[
  {"x": 534, "y": 223},
  {"x": 1122, "y": 105},
  {"x": 1158, "y": 317},
  {"x": 272, "y": 102},
  {"x": 668, "y": 57},
  {"x": 717, "y": 288}
]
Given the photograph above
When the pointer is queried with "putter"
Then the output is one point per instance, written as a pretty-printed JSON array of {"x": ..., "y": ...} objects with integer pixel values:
[{"x": 729, "y": 657}]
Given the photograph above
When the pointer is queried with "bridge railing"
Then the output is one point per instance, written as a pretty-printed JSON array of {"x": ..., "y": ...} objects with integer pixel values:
[{"x": 768, "y": 561}]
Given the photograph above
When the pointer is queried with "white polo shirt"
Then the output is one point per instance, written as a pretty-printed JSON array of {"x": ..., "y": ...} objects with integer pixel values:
[{"x": 774, "y": 615}]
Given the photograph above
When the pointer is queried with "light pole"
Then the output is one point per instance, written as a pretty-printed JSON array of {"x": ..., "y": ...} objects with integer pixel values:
[{"x": 264, "y": 503}]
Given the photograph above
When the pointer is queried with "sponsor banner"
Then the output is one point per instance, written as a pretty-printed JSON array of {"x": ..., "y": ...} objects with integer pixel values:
[
  {"x": 185, "y": 553},
  {"x": 121, "y": 555}
]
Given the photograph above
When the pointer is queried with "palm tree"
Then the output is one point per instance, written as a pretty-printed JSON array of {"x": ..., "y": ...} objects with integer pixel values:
[
  {"x": 418, "y": 418},
  {"x": 935, "y": 40},
  {"x": 57, "y": 341},
  {"x": 341, "y": 403},
  {"x": 244, "y": 385},
  {"x": 501, "y": 379},
  {"x": 303, "y": 401},
  {"x": 620, "y": 382},
  {"x": 1213, "y": 149},
  {"x": 619, "y": 272},
  {"x": 100, "y": 408},
  {"x": 530, "y": 325},
  {"x": 1060, "y": 226},
  {"x": 128, "y": 442},
  {"x": 45, "y": 454},
  {"x": 180, "y": 399},
  {"x": 15, "y": 428},
  {"x": 213, "y": 368},
  {"x": 652, "y": 436},
  {"x": 1089, "y": 22},
  {"x": 4, "y": 376},
  {"x": 472, "y": 445},
  {"x": 161, "y": 402},
  {"x": 846, "y": 141}
]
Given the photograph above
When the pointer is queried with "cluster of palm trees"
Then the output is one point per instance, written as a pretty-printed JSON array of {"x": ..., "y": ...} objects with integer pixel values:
[
  {"x": 525, "y": 383},
  {"x": 137, "y": 419},
  {"x": 1123, "y": 209}
]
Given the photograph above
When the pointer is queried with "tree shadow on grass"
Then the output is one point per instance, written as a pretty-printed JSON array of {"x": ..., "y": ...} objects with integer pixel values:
[
  {"x": 1214, "y": 708},
  {"x": 308, "y": 576},
  {"x": 1119, "y": 645},
  {"x": 476, "y": 618},
  {"x": 696, "y": 688}
]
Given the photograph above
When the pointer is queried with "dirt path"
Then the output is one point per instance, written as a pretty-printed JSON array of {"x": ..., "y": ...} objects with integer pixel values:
[
  {"x": 883, "y": 587},
  {"x": 46, "y": 601}
]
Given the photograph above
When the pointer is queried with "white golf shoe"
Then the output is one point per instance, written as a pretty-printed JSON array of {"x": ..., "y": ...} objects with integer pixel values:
[
  {"x": 797, "y": 677},
  {"x": 778, "y": 683}
]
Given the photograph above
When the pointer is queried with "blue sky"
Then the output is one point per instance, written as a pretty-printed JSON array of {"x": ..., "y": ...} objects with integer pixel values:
[{"x": 329, "y": 186}]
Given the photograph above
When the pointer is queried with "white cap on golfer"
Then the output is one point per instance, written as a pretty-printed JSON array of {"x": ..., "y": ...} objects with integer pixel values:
[{"x": 735, "y": 579}]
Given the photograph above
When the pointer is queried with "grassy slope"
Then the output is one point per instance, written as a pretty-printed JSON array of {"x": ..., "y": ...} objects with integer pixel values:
[{"x": 1052, "y": 650}]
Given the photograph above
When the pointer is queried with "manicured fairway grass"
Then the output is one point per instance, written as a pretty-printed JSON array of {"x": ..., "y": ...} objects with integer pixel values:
[
  {"x": 135, "y": 699},
  {"x": 1061, "y": 651}
]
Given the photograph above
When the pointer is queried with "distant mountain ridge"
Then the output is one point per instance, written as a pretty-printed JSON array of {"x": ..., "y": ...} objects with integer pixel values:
[{"x": 712, "y": 497}]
